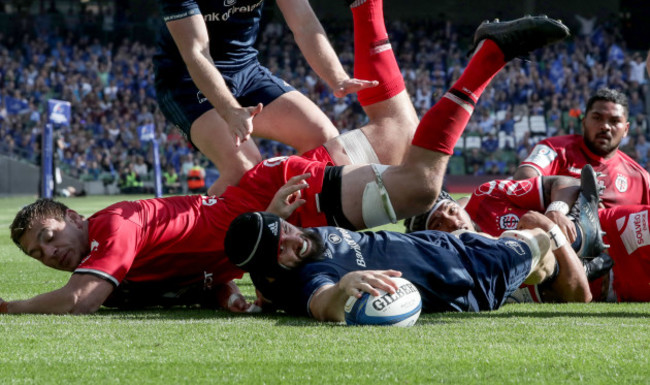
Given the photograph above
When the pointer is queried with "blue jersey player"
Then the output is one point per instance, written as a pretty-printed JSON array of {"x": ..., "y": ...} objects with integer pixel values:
[
  {"x": 313, "y": 271},
  {"x": 210, "y": 84}
]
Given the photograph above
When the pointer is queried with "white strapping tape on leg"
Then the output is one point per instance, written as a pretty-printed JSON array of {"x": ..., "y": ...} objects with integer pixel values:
[
  {"x": 376, "y": 207},
  {"x": 530, "y": 240},
  {"x": 356, "y": 145}
]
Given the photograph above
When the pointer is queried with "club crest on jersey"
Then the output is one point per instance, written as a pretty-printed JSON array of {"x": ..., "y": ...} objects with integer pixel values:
[
  {"x": 508, "y": 222},
  {"x": 334, "y": 239},
  {"x": 621, "y": 183},
  {"x": 228, "y": 3}
]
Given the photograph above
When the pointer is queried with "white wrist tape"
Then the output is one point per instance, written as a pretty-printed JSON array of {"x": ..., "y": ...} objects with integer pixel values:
[
  {"x": 558, "y": 206},
  {"x": 557, "y": 237}
]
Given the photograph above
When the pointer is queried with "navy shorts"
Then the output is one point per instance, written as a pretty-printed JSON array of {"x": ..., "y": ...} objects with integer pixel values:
[
  {"x": 182, "y": 103},
  {"x": 498, "y": 266}
]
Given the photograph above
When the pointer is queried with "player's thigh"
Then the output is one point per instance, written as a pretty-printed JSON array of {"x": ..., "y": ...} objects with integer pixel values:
[
  {"x": 391, "y": 127},
  {"x": 353, "y": 182},
  {"x": 385, "y": 193},
  {"x": 295, "y": 120}
]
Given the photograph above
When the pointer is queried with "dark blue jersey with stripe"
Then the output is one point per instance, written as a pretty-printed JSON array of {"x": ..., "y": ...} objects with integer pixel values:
[
  {"x": 469, "y": 273},
  {"x": 232, "y": 26}
]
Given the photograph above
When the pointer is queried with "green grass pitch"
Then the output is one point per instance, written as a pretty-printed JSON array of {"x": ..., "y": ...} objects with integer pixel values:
[{"x": 518, "y": 344}]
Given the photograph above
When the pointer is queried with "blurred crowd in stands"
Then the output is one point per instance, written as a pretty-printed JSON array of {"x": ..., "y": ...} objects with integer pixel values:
[{"x": 110, "y": 86}]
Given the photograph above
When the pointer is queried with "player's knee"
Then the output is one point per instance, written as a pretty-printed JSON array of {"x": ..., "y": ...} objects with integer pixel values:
[{"x": 422, "y": 190}]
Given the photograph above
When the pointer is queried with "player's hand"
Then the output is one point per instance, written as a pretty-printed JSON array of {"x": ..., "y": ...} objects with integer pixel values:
[
  {"x": 565, "y": 224},
  {"x": 237, "y": 303},
  {"x": 357, "y": 282},
  {"x": 288, "y": 198},
  {"x": 534, "y": 219},
  {"x": 230, "y": 298},
  {"x": 350, "y": 86},
  {"x": 240, "y": 122}
]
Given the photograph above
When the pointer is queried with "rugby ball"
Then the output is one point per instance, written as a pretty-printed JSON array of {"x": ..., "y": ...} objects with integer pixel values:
[{"x": 399, "y": 309}]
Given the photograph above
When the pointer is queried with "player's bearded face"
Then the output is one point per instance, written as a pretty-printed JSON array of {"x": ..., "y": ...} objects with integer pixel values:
[
  {"x": 604, "y": 126},
  {"x": 299, "y": 246}
]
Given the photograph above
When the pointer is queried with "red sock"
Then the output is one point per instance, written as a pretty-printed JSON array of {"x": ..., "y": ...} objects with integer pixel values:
[
  {"x": 373, "y": 55},
  {"x": 444, "y": 123}
]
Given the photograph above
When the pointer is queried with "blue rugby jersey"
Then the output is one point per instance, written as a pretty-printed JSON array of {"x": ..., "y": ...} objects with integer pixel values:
[
  {"x": 232, "y": 25},
  {"x": 474, "y": 274}
]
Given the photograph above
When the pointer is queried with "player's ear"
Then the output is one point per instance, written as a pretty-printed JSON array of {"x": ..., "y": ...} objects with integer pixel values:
[{"x": 74, "y": 217}]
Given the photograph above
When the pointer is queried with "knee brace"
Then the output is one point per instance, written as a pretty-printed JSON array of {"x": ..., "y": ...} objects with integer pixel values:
[
  {"x": 377, "y": 208},
  {"x": 356, "y": 145}
]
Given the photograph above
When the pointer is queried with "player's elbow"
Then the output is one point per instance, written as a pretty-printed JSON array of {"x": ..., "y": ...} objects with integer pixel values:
[
  {"x": 582, "y": 295},
  {"x": 578, "y": 293},
  {"x": 326, "y": 315},
  {"x": 84, "y": 308},
  {"x": 84, "y": 305}
]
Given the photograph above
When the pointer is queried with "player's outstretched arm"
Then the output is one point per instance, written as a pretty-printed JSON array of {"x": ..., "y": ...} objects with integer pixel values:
[
  {"x": 316, "y": 48},
  {"x": 83, "y": 294},
  {"x": 328, "y": 303}
]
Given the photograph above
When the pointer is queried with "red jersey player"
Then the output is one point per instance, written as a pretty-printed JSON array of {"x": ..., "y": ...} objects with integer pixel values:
[{"x": 604, "y": 125}]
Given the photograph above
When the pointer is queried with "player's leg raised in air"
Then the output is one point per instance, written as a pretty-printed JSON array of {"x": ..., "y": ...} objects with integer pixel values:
[{"x": 374, "y": 195}]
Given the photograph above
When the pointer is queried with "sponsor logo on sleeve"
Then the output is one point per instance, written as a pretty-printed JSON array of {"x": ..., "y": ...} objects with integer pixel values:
[
  {"x": 519, "y": 188},
  {"x": 272, "y": 162},
  {"x": 209, "y": 201},
  {"x": 636, "y": 234},
  {"x": 542, "y": 155},
  {"x": 485, "y": 188}
]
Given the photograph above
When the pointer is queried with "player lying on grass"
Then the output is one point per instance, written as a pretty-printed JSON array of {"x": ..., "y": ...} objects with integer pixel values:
[
  {"x": 499, "y": 205},
  {"x": 160, "y": 239},
  {"x": 313, "y": 271},
  {"x": 131, "y": 250}
]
